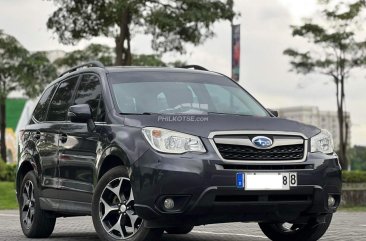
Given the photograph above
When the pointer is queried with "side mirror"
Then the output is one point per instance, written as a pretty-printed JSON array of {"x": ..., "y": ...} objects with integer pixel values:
[
  {"x": 81, "y": 114},
  {"x": 273, "y": 112}
]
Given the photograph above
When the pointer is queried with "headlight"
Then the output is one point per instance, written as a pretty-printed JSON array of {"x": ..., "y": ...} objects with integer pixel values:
[
  {"x": 323, "y": 142},
  {"x": 172, "y": 142}
]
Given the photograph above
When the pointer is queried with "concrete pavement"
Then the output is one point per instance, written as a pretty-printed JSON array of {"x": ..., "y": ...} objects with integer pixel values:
[{"x": 345, "y": 226}]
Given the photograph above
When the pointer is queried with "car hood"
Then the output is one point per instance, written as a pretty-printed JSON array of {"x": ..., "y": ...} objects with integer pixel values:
[{"x": 213, "y": 122}]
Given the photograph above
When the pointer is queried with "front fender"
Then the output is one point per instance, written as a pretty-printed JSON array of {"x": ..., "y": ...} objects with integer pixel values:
[{"x": 122, "y": 142}]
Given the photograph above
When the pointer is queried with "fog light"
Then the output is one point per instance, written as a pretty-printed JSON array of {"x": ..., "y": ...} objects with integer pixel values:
[
  {"x": 168, "y": 203},
  {"x": 331, "y": 201}
]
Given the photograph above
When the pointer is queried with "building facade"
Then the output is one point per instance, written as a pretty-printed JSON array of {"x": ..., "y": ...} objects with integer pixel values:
[{"x": 322, "y": 119}]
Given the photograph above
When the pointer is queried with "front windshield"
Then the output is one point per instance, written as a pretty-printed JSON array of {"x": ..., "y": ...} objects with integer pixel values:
[{"x": 180, "y": 93}]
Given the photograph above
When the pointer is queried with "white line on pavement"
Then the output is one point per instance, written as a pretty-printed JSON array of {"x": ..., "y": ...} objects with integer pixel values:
[
  {"x": 235, "y": 234},
  {"x": 363, "y": 225},
  {"x": 8, "y": 215}
]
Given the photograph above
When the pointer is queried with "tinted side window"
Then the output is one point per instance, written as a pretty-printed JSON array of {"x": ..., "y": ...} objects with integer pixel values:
[
  {"x": 40, "y": 111},
  {"x": 89, "y": 92},
  {"x": 61, "y": 100},
  {"x": 101, "y": 110}
]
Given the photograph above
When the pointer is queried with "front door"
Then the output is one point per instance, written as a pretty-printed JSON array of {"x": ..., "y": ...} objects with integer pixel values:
[{"x": 78, "y": 145}]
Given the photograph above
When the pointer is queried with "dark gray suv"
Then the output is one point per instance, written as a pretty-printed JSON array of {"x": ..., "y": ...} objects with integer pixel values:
[{"x": 148, "y": 150}]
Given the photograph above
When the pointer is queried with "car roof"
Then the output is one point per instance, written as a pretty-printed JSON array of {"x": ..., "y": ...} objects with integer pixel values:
[{"x": 121, "y": 69}]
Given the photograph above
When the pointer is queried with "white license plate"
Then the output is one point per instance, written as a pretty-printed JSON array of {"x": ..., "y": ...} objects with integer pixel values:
[{"x": 256, "y": 181}]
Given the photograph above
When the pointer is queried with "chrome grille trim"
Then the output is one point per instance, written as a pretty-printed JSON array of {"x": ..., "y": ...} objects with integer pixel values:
[
  {"x": 277, "y": 141},
  {"x": 283, "y": 138}
]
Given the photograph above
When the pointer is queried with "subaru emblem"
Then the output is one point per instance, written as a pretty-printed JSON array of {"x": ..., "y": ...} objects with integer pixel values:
[{"x": 262, "y": 141}]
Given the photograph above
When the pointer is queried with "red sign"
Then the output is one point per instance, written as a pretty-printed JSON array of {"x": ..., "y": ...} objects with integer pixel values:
[{"x": 235, "y": 59}]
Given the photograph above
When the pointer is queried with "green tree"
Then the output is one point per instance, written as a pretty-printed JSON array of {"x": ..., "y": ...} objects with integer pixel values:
[
  {"x": 148, "y": 60},
  {"x": 178, "y": 63},
  {"x": 335, "y": 51},
  {"x": 20, "y": 70},
  {"x": 11, "y": 54},
  {"x": 357, "y": 155},
  {"x": 102, "y": 53},
  {"x": 36, "y": 71},
  {"x": 105, "y": 55},
  {"x": 170, "y": 23}
]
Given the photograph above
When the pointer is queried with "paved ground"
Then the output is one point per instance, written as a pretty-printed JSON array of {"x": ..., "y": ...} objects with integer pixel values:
[{"x": 345, "y": 226}]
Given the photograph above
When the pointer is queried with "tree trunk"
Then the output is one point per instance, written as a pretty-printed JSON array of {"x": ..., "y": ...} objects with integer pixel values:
[
  {"x": 346, "y": 126},
  {"x": 344, "y": 141},
  {"x": 119, "y": 51},
  {"x": 2, "y": 127},
  {"x": 342, "y": 152},
  {"x": 123, "y": 41}
]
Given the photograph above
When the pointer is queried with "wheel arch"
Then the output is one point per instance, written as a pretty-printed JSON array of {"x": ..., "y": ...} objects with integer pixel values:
[
  {"x": 25, "y": 167},
  {"x": 111, "y": 158}
]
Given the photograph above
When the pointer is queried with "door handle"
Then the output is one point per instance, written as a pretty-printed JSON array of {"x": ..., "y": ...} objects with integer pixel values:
[
  {"x": 63, "y": 138},
  {"x": 37, "y": 136}
]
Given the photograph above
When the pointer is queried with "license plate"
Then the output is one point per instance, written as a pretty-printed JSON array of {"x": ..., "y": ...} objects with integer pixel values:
[{"x": 255, "y": 181}]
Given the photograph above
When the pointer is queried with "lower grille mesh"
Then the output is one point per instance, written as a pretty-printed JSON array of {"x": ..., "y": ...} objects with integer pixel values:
[{"x": 267, "y": 198}]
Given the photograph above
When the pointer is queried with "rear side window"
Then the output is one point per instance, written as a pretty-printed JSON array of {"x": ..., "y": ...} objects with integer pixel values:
[
  {"x": 40, "y": 111},
  {"x": 89, "y": 92},
  {"x": 61, "y": 100}
]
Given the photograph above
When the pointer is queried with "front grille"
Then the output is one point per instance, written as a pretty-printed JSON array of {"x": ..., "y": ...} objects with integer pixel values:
[{"x": 248, "y": 153}]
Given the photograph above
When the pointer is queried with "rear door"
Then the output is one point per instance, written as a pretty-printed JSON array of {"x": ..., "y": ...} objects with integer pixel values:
[{"x": 78, "y": 145}]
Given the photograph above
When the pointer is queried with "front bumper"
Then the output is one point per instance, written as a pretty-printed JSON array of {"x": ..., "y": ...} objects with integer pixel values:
[{"x": 204, "y": 190}]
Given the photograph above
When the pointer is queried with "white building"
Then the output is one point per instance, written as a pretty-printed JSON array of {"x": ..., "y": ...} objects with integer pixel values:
[{"x": 313, "y": 116}]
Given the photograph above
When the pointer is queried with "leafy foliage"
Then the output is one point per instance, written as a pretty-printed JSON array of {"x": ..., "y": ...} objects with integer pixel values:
[
  {"x": 354, "y": 176},
  {"x": 102, "y": 53},
  {"x": 7, "y": 172},
  {"x": 147, "y": 60},
  {"x": 105, "y": 55},
  {"x": 171, "y": 23},
  {"x": 357, "y": 155},
  {"x": 335, "y": 52},
  {"x": 178, "y": 63},
  {"x": 36, "y": 71},
  {"x": 11, "y": 54},
  {"x": 20, "y": 70}
]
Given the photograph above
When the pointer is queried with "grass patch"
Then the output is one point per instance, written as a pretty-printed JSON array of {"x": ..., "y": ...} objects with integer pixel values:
[
  {"x": 7, "y": 196},
  {"x": 352, "y": 208}
]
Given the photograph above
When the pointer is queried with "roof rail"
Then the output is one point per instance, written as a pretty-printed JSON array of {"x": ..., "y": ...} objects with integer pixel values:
[
  {"x": 193, "y": 66},
  {"x": 89, "y": 64}
]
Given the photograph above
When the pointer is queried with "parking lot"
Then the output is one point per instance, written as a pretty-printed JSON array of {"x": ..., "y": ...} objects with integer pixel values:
[{"x": 345, "y": 226}]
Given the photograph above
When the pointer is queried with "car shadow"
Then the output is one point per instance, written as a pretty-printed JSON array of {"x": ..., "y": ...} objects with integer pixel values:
[{"x": 166, "y": 237}]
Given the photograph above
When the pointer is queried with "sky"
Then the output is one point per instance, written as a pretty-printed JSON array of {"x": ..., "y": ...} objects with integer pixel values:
[{"x": 265, "y": 33}]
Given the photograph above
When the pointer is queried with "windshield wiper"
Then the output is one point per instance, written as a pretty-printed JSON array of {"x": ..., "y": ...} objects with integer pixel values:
[
  {"x": 131, "y": 113},
  {"x": 222, "y": 113}
]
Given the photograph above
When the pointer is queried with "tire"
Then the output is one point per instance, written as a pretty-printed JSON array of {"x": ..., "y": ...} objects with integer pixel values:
[
  {"x": 179, "y": 230},
  {"x": 35, "y": 222},
  {"x": 113, "y": 213},
  {"x": 306, "y": 232}
]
